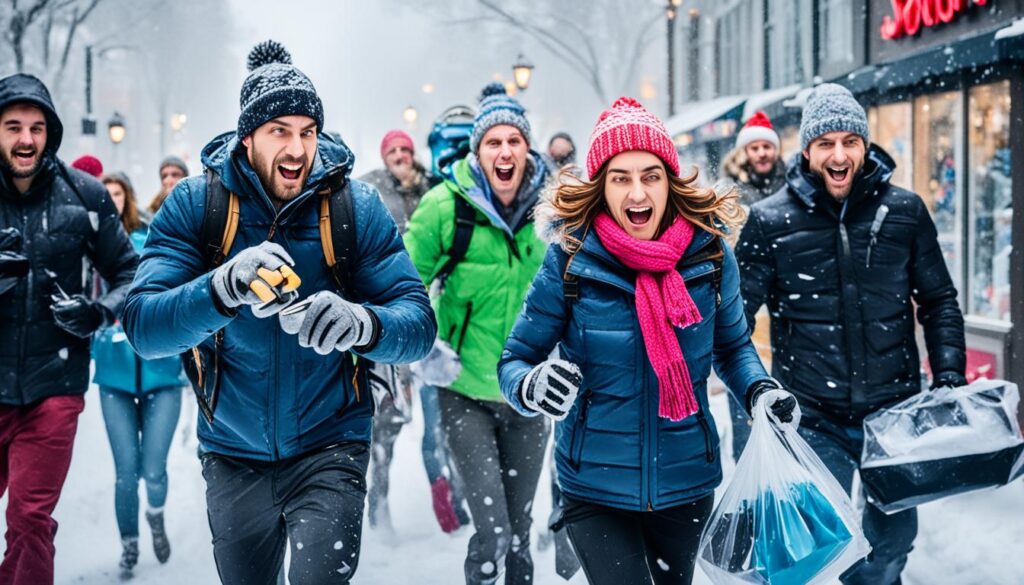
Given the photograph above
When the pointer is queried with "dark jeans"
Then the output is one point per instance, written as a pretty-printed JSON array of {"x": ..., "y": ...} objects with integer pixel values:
[
  {"x": 891, "y": 537},
  {"x": 387, "y": 423},
  {"x": 499, "y": 454},
  {"x": 624, "y": 547},
  {"x": 140, "y": 429},
  {"x": 740, "y": 426},
  {"x": 314, "y": 501},
  {"x": 35, "y": 454}
]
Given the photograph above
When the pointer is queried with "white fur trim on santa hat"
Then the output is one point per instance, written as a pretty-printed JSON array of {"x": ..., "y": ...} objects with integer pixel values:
[{"x": 754, "y": 133}]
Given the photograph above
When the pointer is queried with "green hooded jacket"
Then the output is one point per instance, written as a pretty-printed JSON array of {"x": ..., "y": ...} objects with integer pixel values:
[{"x": 483, "y": 295}]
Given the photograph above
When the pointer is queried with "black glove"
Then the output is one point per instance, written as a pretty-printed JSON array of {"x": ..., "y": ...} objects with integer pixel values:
[
  {"x": 78, "y": 315},
  {"x": 948, "y": 379},
  {"x": 782, "y": 408}
]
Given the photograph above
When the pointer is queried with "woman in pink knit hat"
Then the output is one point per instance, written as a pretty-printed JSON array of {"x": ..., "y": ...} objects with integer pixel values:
[{"x": 640, "y": 298}]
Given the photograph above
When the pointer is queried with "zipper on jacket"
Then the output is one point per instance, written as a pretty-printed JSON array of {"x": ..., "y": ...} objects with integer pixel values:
[
  {"x": 275, "y": 410},
  {"x": 876, "y": 226},
  {"x": 578, "y": 430},
  {"x": 465, "y": 326},
  {"x": 709, "y": 452}
]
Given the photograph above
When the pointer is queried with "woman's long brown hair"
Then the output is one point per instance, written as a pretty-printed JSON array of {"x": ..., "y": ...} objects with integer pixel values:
[
  {"x": 130, "y": 213},
  {"x": 577, "y": 203}
]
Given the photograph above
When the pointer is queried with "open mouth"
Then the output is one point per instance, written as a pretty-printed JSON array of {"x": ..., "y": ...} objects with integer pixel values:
[
  {"x": 504, "y": 172},
  {"x": 838, "y": 175},
  {"x": 290, "y": 172},
  {"x": 639, "y": 216},
  {"x": 25, "y": 156}
]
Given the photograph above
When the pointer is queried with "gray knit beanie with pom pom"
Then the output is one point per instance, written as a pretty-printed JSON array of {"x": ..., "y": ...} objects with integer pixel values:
[{"x": 276, "y": 88}]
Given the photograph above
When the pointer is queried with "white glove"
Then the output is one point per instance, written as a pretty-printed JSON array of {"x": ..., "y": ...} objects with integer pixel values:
[
  {"x": 551, "y": 387},
  {"x": 328, "y": 323},
  {"x": 231, "y": 281},
  {"x": 440, "y": 368}
]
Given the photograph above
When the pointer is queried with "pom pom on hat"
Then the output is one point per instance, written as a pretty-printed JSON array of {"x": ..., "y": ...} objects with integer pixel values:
[
  {"x": 625, "y": 126},
  {"x": 492, "y": 88},
  {"x": 268, "y": 52}
]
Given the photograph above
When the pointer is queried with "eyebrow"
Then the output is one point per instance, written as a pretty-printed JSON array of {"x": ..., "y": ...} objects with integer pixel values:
[
  {"x": 16, "y": 122},
  {"x": 624, "y": 171}
]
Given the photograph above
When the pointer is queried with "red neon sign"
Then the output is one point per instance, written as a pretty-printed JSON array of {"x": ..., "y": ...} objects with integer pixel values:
[{"x": 910, "y": 15}]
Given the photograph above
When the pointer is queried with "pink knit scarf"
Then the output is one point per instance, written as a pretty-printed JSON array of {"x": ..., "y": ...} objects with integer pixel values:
[{"x": 661, "y": 302}]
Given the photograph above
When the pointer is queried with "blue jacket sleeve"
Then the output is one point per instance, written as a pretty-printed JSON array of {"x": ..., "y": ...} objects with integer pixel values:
[
  {"x": 538, "y": 329},
  {"x": 170, "y": 306},
  {"x": 736, "y": 361},
  {"x": 387, "y": 281}
]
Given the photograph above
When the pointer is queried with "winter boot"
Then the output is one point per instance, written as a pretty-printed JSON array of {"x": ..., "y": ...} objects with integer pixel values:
[
  {"x": 161, "y": 546},
  {"x": 129, "y": 556}
]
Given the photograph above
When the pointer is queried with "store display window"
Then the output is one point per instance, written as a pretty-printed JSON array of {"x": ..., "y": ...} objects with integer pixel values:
[
  {"x": 890, "y": 128},
  {"x": 989, "y": 225},
  {"x": 938, "y": 156}
]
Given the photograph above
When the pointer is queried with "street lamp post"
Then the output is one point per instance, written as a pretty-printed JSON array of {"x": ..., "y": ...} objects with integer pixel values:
[
  {"x": 521, "y": 72},
  {"x": 671, "y": 10}
]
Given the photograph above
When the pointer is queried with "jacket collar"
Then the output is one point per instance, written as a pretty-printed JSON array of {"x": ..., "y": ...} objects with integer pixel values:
[{"x": 471, "y": 184}]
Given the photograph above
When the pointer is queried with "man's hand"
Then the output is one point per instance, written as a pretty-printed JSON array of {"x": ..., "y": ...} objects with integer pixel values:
[
  {"x": 329, "y": 323},
  {"x": 551, "y": 387},
  {"x": 948, "y": 380},
  {"x": 255, "y": 271},
  {"x": 78, "y": 315}
]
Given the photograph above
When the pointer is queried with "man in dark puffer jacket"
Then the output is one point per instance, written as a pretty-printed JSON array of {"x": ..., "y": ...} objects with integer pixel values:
[
  {"x": 841, "y": 256},
  {"x": 54, "y": 217}
]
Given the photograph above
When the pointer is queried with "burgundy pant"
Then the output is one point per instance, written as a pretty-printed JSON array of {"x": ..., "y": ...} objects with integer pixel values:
[{"x": 35, "y": 453}]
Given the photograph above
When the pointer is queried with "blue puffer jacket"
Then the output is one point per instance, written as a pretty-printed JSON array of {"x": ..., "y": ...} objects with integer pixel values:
[
  {"x": 118, "y": 367},
  {"x": 613, "y": 448},
  {"x": 277, "y": 400}
]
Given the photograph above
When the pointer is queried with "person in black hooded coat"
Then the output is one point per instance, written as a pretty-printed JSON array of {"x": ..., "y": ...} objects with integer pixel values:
[
  {"x": 842, "y": 257},
  {"x": 56, "y": 217}
]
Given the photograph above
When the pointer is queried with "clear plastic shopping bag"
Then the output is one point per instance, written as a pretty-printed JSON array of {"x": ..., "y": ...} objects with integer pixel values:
[
  {"x": 784, "y": 519},
  {"x": 942, "y": 443}
]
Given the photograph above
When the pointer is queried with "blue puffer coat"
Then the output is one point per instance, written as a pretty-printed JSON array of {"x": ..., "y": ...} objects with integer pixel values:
[
  {"x": 118, "y": 367},
  {"x": 613, "y": 448},
  {"x": 277, "y": 399}
]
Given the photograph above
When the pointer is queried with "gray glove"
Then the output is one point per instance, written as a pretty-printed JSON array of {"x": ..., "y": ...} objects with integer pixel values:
[
  {"x": 551, "y": 387},
  {"x": 231, "y": 281},
  {"x": 440, "y": 368},
  {"x": 328, "y": 323}
]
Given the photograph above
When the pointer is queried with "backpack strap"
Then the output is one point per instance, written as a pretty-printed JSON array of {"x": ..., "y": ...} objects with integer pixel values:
[
  {"x": 570, "y": 282},
  {"x": 217, "y": 235},
  {"x": 465, "y": 221},
  {"x": 338, "y": 236}
]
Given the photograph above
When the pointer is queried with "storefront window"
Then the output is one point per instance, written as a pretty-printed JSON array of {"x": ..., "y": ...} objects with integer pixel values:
[
  {"x": 840, "y": 33},
  {"x": 789, "y": 141},
  {"x": 938, "y": 155},
  {"x": 991, "y": 202},
  {"x": 890, "y": 128},
  {"x": 736, "y": 35}
]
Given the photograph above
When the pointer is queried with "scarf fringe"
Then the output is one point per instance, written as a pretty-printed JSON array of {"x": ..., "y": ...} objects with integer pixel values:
[{"x": 676, "y": 399}]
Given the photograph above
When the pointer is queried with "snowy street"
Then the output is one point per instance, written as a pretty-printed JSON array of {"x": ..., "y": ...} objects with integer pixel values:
[{"x": 967, "y": 540}]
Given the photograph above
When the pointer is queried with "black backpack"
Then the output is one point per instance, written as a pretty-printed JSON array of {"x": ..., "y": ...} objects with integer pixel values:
[{"x": 217, "y": 234}]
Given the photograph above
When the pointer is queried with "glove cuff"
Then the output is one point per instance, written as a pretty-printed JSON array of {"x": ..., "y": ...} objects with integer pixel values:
[
  {"x": 372, "y": 329},
  {"x": 756, "y": 389}
]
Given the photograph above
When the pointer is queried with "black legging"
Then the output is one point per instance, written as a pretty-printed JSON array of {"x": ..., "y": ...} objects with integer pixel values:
[{"x": 622, "y": 547}]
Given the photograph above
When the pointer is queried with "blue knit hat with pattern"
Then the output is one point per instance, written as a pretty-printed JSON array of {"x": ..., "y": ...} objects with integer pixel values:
[
  {"x": 276, "y": 88},
  {"x": 497, "y": 108},
  {"x": 832, "y": 108}
]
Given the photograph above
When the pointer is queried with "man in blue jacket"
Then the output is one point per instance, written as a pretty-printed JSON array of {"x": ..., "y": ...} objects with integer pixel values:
[{"x": 285, "y": 455}]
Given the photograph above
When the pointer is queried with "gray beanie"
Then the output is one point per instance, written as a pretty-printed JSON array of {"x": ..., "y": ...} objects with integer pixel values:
[
  {"x": 174, "y": 161},
  {"x": 497, "y": 108},
  {"x": 832, "y": 108},
  {"x": 275, "y": 88}
]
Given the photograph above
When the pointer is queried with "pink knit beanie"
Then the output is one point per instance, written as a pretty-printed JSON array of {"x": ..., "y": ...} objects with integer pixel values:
[{"x": 626, "y": 126}]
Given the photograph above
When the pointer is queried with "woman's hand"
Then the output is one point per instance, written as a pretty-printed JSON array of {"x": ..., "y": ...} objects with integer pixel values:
[{"x": 551, "y": 387}]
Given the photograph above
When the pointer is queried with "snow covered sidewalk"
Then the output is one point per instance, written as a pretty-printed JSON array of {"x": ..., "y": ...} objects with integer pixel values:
[{"x": 968, "y": 540}]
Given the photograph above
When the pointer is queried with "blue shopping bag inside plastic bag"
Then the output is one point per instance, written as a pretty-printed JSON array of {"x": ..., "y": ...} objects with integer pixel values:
[{"x": 784, "y": 520}]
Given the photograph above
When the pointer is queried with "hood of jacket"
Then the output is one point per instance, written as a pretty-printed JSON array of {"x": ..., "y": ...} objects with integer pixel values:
[
  {"x": 226, "y": 155},
  {"x": 810, "y": 189},
  {"x": 23, "y": 88}
]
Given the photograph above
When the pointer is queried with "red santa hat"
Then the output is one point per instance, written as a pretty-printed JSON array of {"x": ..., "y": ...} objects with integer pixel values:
[{"x": 758, "y": 127}]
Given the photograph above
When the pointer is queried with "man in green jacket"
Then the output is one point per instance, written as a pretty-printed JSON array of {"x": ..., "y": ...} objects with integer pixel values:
[{"x": 498, "y": 452}]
